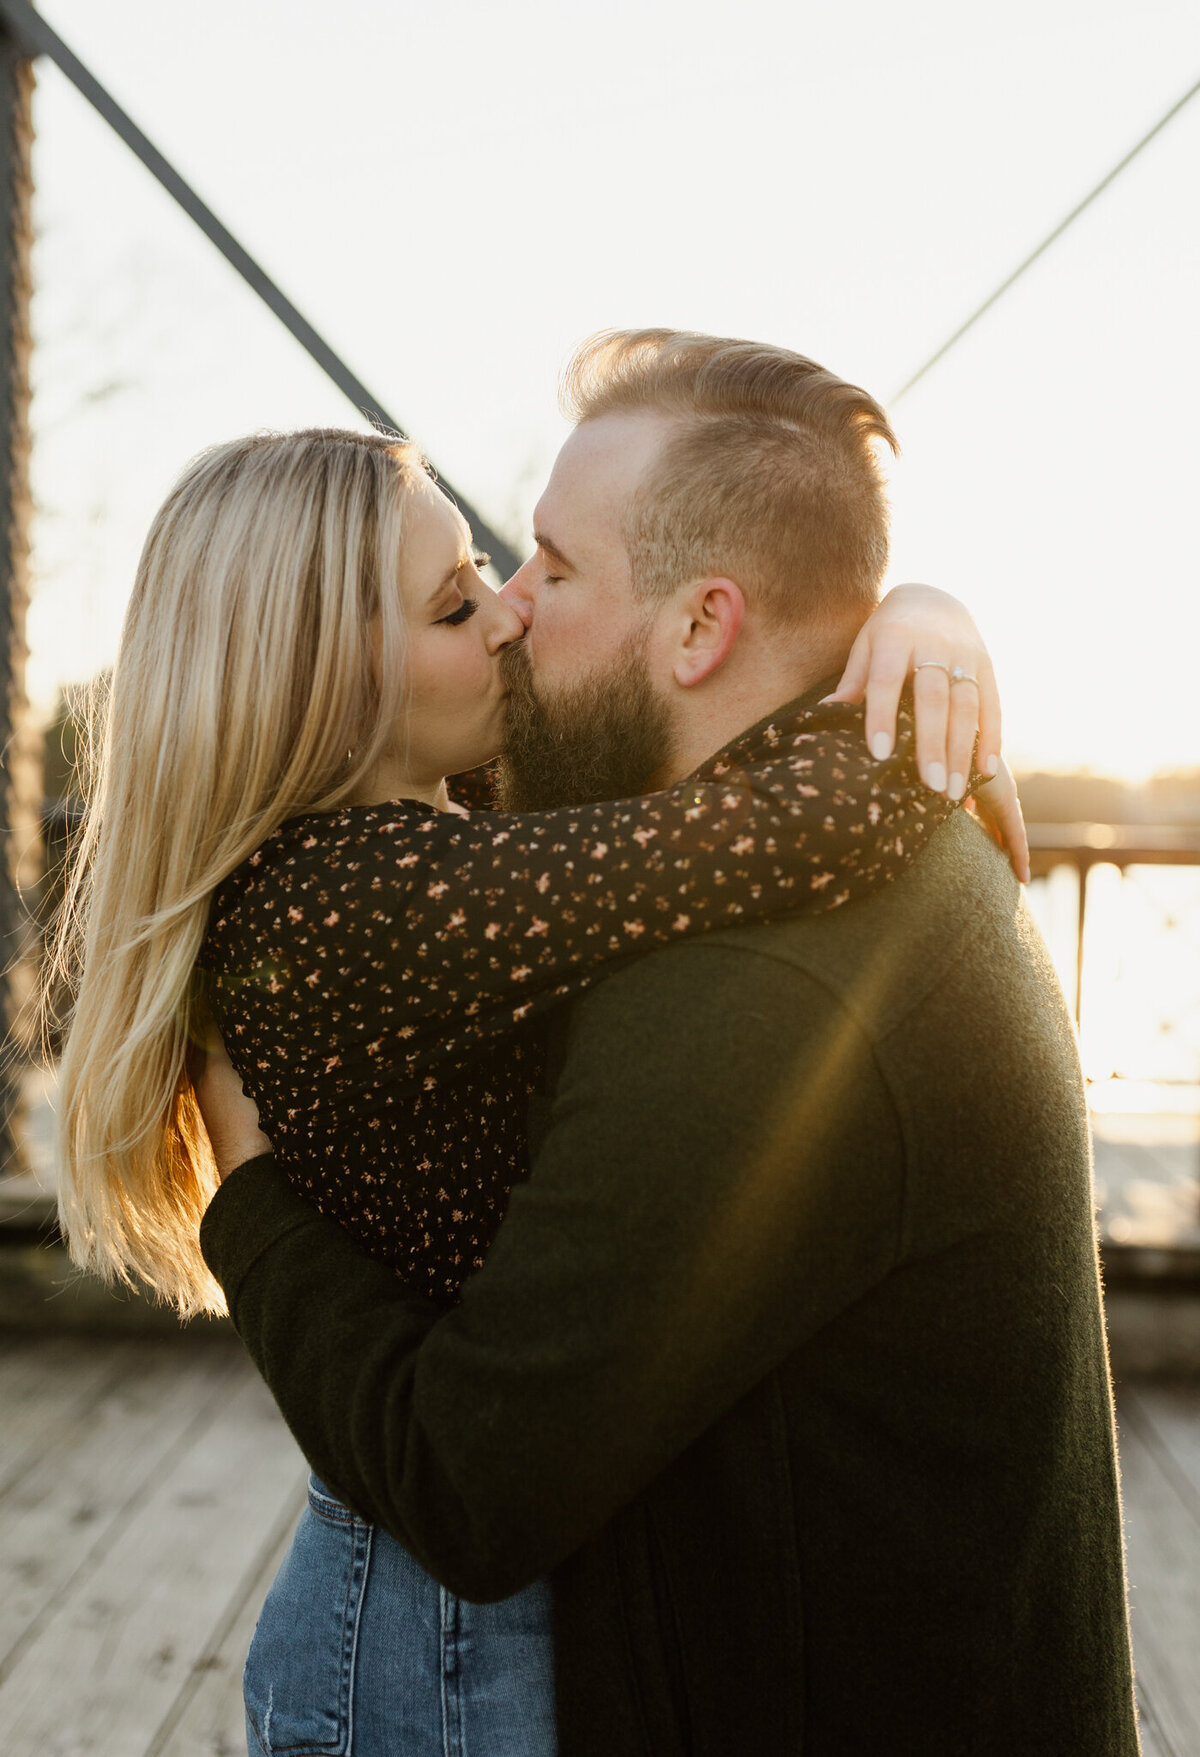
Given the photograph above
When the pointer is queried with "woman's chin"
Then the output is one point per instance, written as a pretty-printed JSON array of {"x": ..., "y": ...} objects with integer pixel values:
[{"x": 485, "y": 754}]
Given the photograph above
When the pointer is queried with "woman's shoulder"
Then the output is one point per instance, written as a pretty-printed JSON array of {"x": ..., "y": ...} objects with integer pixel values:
[{"x": 319, "y": 849}]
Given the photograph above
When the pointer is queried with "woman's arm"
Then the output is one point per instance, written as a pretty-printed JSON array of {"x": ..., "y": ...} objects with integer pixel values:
[
  {"x": 955, "y": 698},
  {"x": 453, "y": 929},
  {"x": 460, "y": 927}
]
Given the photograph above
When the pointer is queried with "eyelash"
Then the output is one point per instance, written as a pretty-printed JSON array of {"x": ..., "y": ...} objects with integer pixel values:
[
  {"x": 464, "y": 613},
  {"x": 469, "y": 606}
]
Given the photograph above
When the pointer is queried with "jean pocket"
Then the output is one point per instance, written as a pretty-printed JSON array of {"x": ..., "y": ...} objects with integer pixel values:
[{"x": 299, "y": 1678}]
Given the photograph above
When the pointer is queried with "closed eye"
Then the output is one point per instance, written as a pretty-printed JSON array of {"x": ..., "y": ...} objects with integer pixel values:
[{"x": 464, "y": 613}]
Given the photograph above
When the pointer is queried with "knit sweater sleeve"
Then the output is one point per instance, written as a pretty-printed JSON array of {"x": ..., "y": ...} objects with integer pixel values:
[{"x": 721, "y": 1174}]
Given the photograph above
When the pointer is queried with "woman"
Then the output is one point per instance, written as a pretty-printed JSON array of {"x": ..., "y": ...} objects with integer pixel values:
[{"x": 308, "y": 651}]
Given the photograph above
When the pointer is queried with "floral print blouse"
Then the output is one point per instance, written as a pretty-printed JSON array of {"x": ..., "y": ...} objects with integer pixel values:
[{"x": 378, "y": 973}]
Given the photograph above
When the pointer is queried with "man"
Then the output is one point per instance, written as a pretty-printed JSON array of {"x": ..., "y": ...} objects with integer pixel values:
[{"x": 788, "y": 1361}]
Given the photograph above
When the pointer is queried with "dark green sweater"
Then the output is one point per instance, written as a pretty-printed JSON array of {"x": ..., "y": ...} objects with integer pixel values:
[{"x": 788, "y": 1361}]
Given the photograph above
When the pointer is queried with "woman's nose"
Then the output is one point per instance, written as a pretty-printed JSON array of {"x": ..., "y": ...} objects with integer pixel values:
[
  {"x": 507, "y": 624},
  {"x": 518, "y": 593}
]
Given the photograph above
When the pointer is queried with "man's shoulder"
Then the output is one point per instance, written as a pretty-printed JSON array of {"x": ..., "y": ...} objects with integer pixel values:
[
  {"x": 896, "y": 977},
  {"x": 958, "y": 894}
]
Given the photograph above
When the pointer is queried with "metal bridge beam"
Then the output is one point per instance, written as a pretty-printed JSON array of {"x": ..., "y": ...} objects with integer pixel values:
[{"x": 20, "y": 766}]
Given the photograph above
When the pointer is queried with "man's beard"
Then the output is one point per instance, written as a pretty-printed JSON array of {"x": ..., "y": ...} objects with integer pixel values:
[{"x": 605, "y": 737}]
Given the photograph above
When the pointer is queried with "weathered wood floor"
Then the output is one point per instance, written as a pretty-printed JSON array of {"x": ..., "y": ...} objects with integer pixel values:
[
  {"x": 1160, "y": 1475},
  {"x": 147, "y": 1490}
]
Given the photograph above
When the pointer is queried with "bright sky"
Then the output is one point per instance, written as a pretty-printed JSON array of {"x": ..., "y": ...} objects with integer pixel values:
[{"x": 457, "y": 193}]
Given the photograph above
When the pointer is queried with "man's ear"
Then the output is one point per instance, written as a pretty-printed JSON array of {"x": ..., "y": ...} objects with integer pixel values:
[{"x": 711, "y": 613}]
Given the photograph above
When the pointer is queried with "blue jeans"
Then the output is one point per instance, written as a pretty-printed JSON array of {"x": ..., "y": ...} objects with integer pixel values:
[{"x": 359, "y": 1653}]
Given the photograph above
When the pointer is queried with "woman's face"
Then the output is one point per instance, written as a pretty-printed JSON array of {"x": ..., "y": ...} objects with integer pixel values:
[{"x": 456, "y": 629}]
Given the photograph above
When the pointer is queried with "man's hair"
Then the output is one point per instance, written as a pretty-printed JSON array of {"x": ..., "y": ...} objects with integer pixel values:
[{"x": 771, "y": 476}]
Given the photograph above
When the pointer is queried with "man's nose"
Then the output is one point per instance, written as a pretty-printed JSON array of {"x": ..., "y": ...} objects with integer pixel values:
[{"x": 518, "y": 593}]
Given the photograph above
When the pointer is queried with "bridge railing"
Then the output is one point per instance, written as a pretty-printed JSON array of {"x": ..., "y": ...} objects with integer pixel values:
[{"x": 1120, "y": 908}]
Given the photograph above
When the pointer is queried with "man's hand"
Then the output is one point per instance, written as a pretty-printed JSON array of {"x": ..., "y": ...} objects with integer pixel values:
[{"x": 230, "y": 1118}]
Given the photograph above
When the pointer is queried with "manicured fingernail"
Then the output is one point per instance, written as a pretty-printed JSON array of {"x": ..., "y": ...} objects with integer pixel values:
[
  {"x": 956, "y": 787},
  {"x": 881, "y": 747},
  {"x": 825, "y": 701},
  {"x": 935, "y": 777},
  {"x": 992, "y": 766}
]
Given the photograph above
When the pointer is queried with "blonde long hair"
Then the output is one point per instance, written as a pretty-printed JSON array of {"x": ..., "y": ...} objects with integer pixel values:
[{"x": 247, "y": 688}]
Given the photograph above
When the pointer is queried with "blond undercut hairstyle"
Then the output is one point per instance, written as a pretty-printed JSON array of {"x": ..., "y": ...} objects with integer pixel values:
[
  {"x": 245, "y": 691},
  {"x": 771, "y": 476}
]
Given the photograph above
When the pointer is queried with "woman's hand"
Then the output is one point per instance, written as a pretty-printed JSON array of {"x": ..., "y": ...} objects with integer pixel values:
[
  {"x": 999, "y": 810},
  {"x": 230, "y": 1117},
  {"x": 923, "y": 633}
]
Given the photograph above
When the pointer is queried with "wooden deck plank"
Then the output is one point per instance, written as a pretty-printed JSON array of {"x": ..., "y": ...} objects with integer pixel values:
[
  {"x": 1169, "y": 1416},
  {"x": 147, "y": 1492},
  {"x": 1163, "y": 1538},
  {"x": 1167, "y": 1419},
  {"x": 1154, "y": 1743},
  {"x": 104, "y": 1675},
  {"x": 207, "y": 1719},
  {"x": 48, "y": 1385},
  {"x": 69, "y": 1510}
]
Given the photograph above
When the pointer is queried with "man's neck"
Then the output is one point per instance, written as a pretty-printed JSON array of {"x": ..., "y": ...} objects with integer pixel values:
[
  {"x": 750, "y": 692},
  {"x": 686, "y": 760}
]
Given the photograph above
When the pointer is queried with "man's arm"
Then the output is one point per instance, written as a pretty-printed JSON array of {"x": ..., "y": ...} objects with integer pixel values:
[{"x": 722, "y": 1174}]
